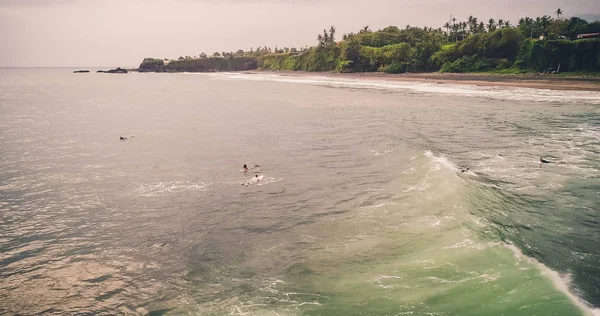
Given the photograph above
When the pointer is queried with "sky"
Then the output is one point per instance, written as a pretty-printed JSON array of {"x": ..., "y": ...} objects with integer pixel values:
[{"x": 112, "y": 33}]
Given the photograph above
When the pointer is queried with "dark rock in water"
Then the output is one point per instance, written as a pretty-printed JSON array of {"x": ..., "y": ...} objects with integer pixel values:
[
  {"x": 119, "y": 70},
  {"x": 80, "y": 71}
]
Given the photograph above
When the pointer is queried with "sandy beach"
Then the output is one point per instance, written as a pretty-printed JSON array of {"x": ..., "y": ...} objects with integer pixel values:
[{"x": 521, "y": 81}]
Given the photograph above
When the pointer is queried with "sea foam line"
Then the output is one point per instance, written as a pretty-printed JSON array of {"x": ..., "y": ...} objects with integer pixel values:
[
  {"x": 561, "y": 283},
  {"x": 491, "y": 92}
]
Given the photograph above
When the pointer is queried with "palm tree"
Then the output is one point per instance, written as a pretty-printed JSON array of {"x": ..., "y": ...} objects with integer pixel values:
[
  {"x": 470, "y": 23},
  {"x": 528, "y": 21},
  {"x": 454, "y": 28},
  {"x": 558, "y": 13},
  {"x": 491, "y": 25},
  {"x": 447, "y": 26},
  {"x": 474, "y": 24},
  {"x": 526, "y": 25},
  {"x": 481, "y": 28},
  {"x": 500, "y": 23},
  {"x": 507, "y": 24},
  {"x": 332, "y": 34},
  {"x": 544, "y": 22}
]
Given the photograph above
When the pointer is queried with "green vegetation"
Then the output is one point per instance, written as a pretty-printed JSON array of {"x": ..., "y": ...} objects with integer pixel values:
[
  {"x": 390, "y": 50},
  {"x": 579, "y": 55},
  {"x": 199, "y": 65},
  {"x": 542, "y": 44}
]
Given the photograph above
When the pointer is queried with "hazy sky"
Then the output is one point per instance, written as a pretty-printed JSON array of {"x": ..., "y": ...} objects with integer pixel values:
[{"x": 111, "y": 33}]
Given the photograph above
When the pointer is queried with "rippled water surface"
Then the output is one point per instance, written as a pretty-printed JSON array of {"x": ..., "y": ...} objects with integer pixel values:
[{"x": 362, "y": 208}]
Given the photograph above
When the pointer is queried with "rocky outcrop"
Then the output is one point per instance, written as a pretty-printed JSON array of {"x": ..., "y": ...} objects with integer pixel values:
[
  {"x": 118, "y": 70},
  {"x": 80, "y": 71}
]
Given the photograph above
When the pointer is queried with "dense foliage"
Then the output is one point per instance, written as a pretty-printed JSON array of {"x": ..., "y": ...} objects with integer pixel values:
[
  {"x": 199, "y": 65},
  {"x": 539, "y": 44},
  {"x": 391, "y": 50},
  {"x": 579, "y": 55}
]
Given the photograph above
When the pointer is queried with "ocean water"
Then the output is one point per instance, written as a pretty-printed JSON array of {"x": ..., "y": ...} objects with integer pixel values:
[{"x": 362, "y": 208}]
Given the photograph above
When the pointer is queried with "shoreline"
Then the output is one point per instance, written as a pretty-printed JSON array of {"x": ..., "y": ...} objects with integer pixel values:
[{"x": 515, "y": 81}]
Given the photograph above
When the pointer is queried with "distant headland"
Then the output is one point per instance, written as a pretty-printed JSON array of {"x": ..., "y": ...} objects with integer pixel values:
[{"x": 205, "y": 64}]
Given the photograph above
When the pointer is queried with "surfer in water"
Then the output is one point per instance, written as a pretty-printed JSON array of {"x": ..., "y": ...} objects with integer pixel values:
[
  {"x": 245, "y": 168},
  {"x": 256, "y": 179},
  {"x": 543, "y": 161}
]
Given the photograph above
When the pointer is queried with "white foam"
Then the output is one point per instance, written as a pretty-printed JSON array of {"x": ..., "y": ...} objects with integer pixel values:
[
  {"x": 376, "y": 153},
  {"x": 499, "y": 93},
  {"x": 163, "y": 188},
  {"x": 381, "y": 278},
  {"x": 409, "y": 170},
  {"x": 560, "y": 282},
  {"x": 379, "y": 205},
  {"x": 443, "y": 161},
  {"x": 269, "y": 180}
]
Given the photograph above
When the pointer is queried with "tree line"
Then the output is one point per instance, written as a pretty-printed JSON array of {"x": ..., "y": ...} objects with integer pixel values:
[{"x": 457, "y": 46}]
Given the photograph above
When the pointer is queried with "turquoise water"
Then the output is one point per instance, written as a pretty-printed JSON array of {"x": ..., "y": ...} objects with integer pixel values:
[{"x": 362, "y": 210}]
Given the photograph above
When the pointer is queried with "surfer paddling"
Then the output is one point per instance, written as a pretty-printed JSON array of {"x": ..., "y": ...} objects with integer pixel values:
[
  {"x": 255, "y": 179},
  {"x": 245, "y": 167}
]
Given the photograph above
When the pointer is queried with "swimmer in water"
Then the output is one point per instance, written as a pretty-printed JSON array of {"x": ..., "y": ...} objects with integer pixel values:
[
  {"x": 245, "y": 168},
  {"x": 542, "y": 160}
]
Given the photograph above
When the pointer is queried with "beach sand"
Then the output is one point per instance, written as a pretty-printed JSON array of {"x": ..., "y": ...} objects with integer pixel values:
[{"x": 521, "y": 81}]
